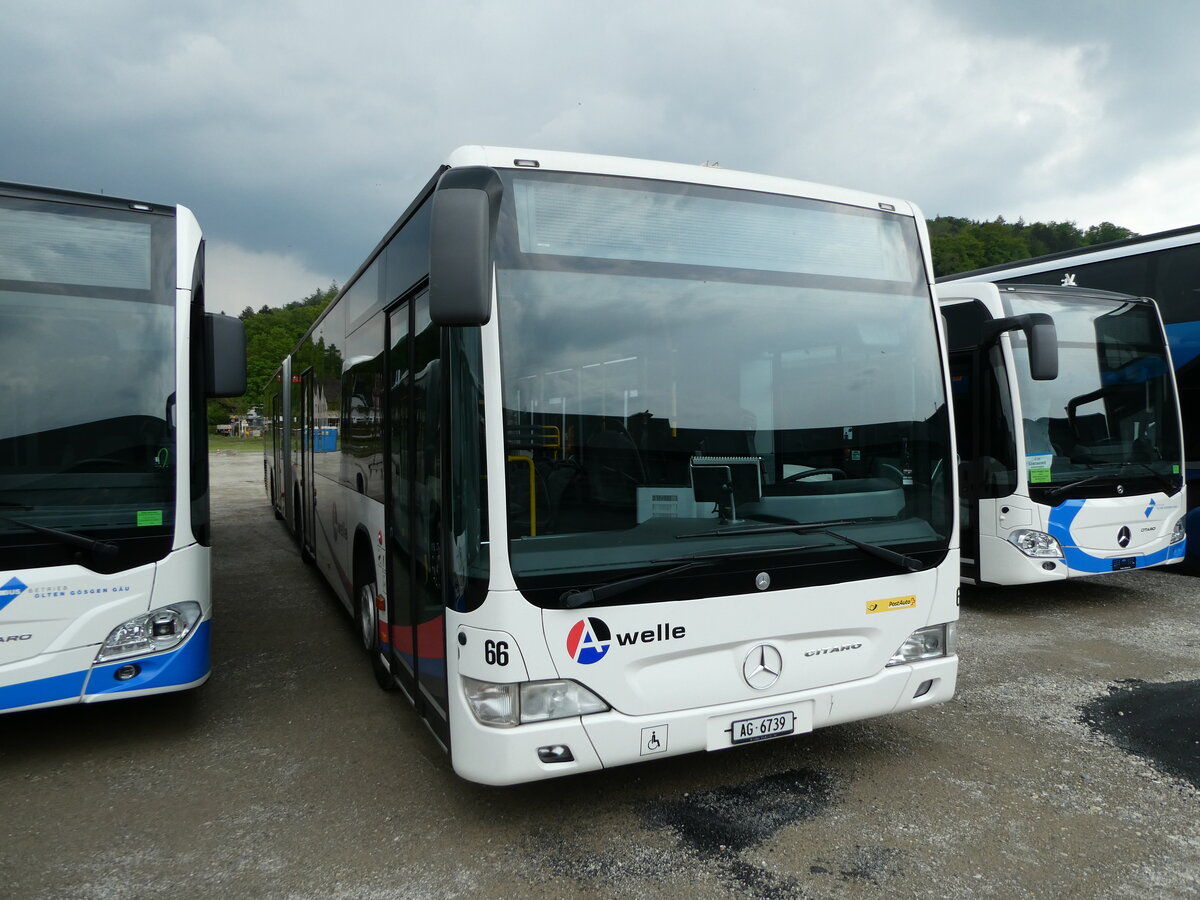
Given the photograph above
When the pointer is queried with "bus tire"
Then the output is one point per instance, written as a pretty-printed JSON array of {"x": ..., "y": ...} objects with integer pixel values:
[{"x": 367, "y": 620}]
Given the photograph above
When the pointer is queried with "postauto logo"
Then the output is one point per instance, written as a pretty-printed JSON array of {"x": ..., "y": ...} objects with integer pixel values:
[{"x": 589, "y": 640}]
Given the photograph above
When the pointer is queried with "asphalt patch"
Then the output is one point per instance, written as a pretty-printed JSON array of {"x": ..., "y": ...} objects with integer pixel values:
[
  {"x": 1158, "y": 722},
  {"x": 736, "y": 817}
]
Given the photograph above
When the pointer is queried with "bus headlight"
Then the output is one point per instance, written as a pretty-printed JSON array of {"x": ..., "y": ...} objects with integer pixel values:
[
  {"x": 152, "y": 632},
  {"x": 931, "y": 642},
  {"x": 542, "y": 700},
  {"x": 1179, "y": 532},
  {"x": 507, "y": 705},
  {"x": 493, "y": 704},
  {"x": 1035, "y": 543}
]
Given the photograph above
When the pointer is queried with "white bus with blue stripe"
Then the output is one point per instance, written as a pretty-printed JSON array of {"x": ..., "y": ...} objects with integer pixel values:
[
  {"x": 613, "y": 460},
  {"x": 108, "y": 358},
  {"x": 1165, "y": 266},
  {"x": 1076, "y": 469}
]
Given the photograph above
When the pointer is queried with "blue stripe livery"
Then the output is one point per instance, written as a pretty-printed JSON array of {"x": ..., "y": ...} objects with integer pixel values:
[
  {"x": 1078, "y": 560},
  {"x": 183, "y": 665}
]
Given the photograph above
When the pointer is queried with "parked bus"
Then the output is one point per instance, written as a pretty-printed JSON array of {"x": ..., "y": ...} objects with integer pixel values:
[
  {"x": 108, "y": 357},
  {"x": 1067, "y": 421},
  {"x": 1164, "y": 266},
  {"x": 613, "y": 460}
]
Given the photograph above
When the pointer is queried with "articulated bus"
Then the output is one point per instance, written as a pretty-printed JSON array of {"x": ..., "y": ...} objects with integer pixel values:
[
  {"x": 1067, "y": 421},
  {"x": 613, "y": 460},
  {"x": 108, "y": 357},
  {"x": 1164, "y": 266}
]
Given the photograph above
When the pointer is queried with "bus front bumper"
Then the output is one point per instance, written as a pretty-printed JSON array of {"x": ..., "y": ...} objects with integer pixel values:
[{"x": 501, "y": 756}]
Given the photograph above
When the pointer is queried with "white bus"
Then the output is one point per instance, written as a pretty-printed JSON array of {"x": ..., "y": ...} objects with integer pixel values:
[
  {"x": 1067, "y": 421},
  {"x": 1165, "y": 266},
  {"x": 613, "y": 460},
  {"x": 108, "y": 358}
]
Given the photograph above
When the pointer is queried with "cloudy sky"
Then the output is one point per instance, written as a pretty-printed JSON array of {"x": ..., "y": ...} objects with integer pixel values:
[{"x": 298, "y": 131}]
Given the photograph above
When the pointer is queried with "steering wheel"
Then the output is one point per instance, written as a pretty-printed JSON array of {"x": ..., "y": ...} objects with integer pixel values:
[{"x": 809, "y": 473}]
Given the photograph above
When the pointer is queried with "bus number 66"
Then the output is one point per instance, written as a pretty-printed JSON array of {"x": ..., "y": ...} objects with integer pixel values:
[{"x": 495, "y": 653}]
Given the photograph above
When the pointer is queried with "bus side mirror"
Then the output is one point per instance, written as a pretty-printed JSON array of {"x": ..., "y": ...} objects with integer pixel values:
[
  {"x": 225, "y": 353},
  {"x": 1041, "y": 336},
  {"x": 466, "y": 207}
]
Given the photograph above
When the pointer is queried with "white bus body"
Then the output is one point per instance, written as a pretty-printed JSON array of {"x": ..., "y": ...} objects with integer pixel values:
[
  {"x": 1092, "y": 479},
  {"x": 104, "y": 525},
  {"x": 613, "y": 460},
  {"x": 1165, "y": 266}
]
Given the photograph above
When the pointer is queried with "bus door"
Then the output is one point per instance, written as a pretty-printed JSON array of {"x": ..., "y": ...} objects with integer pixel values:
[
  {"x": 274, "y": 416},
  {"x": 415, "y": 578},
  {"x": 981, "y": 392},
  {"x": 308, "y": 516},
  {"x": 963, "y": 381}
]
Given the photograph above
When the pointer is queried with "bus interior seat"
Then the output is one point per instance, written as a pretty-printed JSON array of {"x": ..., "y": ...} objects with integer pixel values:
[{"x": 613, "y": 467}]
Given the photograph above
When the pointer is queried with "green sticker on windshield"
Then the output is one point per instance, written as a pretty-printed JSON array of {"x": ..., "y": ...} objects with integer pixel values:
[
  {"x": 149, "y": 517},
  {"x": 1039, "y": 476}
]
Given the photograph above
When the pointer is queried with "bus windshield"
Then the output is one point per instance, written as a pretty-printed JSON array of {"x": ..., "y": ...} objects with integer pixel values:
[
  {"x": 87, "y": 438},
  {"x": 690, "y": 362},
  {"x": 1112, "y": 409}
]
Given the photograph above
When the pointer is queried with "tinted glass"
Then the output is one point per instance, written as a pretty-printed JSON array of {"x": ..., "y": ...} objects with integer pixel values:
[
  {"x": 662, "y": 341},
  {"x": 87, "y": 414},
  {"x": 1112, "y": 409}
]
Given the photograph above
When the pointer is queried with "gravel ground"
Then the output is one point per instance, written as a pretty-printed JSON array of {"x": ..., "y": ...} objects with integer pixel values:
[{"x": 1066, "y": 766}]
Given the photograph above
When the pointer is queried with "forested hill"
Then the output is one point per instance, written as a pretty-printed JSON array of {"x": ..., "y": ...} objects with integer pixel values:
[
  {"x": 958, "y": 245},
  {"x": 271, "y": 334}
]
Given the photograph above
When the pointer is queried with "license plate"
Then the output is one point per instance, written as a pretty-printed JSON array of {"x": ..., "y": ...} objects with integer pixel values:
[
  {"x": 1124, "y": 562},
  {"x": 743, "y": 731}
]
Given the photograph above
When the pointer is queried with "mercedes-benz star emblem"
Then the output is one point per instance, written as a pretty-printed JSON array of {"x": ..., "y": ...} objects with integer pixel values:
[
  {"x": 762, "y": 667},
  {"x": 762, "y": 581},
  {"x": 1124, "y": 537}
]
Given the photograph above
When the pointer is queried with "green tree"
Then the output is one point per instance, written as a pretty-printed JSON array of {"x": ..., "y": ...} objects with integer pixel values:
[
  {"x": 271, "y": 334},
  {"x": 960, "y": 245},
  {"x": 1105, "y": 232}
]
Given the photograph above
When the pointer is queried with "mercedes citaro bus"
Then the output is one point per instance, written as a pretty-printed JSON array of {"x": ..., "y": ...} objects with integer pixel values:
[
  {"x": 1067, "y": 419},
  {"x": 108, "y": 358},
  {"x": 614, "y": 460}
]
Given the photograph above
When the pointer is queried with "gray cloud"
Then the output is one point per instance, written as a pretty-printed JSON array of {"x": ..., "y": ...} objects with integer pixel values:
[{"x": 298, "y": 131}]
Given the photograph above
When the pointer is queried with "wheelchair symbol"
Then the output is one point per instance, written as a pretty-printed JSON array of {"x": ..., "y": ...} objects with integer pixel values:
[{"x": 654, "y": 740}]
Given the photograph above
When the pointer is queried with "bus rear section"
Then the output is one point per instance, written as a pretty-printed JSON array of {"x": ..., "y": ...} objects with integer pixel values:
[
  {"x": 104, "y": 531},
  {"x": 1074, "y": 473},
  {"x": 632, "y": 460}
]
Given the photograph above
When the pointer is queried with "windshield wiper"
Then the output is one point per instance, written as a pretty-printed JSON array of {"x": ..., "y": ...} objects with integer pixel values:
[
  {"x": 100, "y": 548},
  {"x": 1162, "y": 479},
  {"x": 574, "y": 599},
  {"x": 774, "y": 528},
  {"x": 910, "y": 563},
  {"x": 1061, "y": 489},
  {"x": 1116, "y": 476}
]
